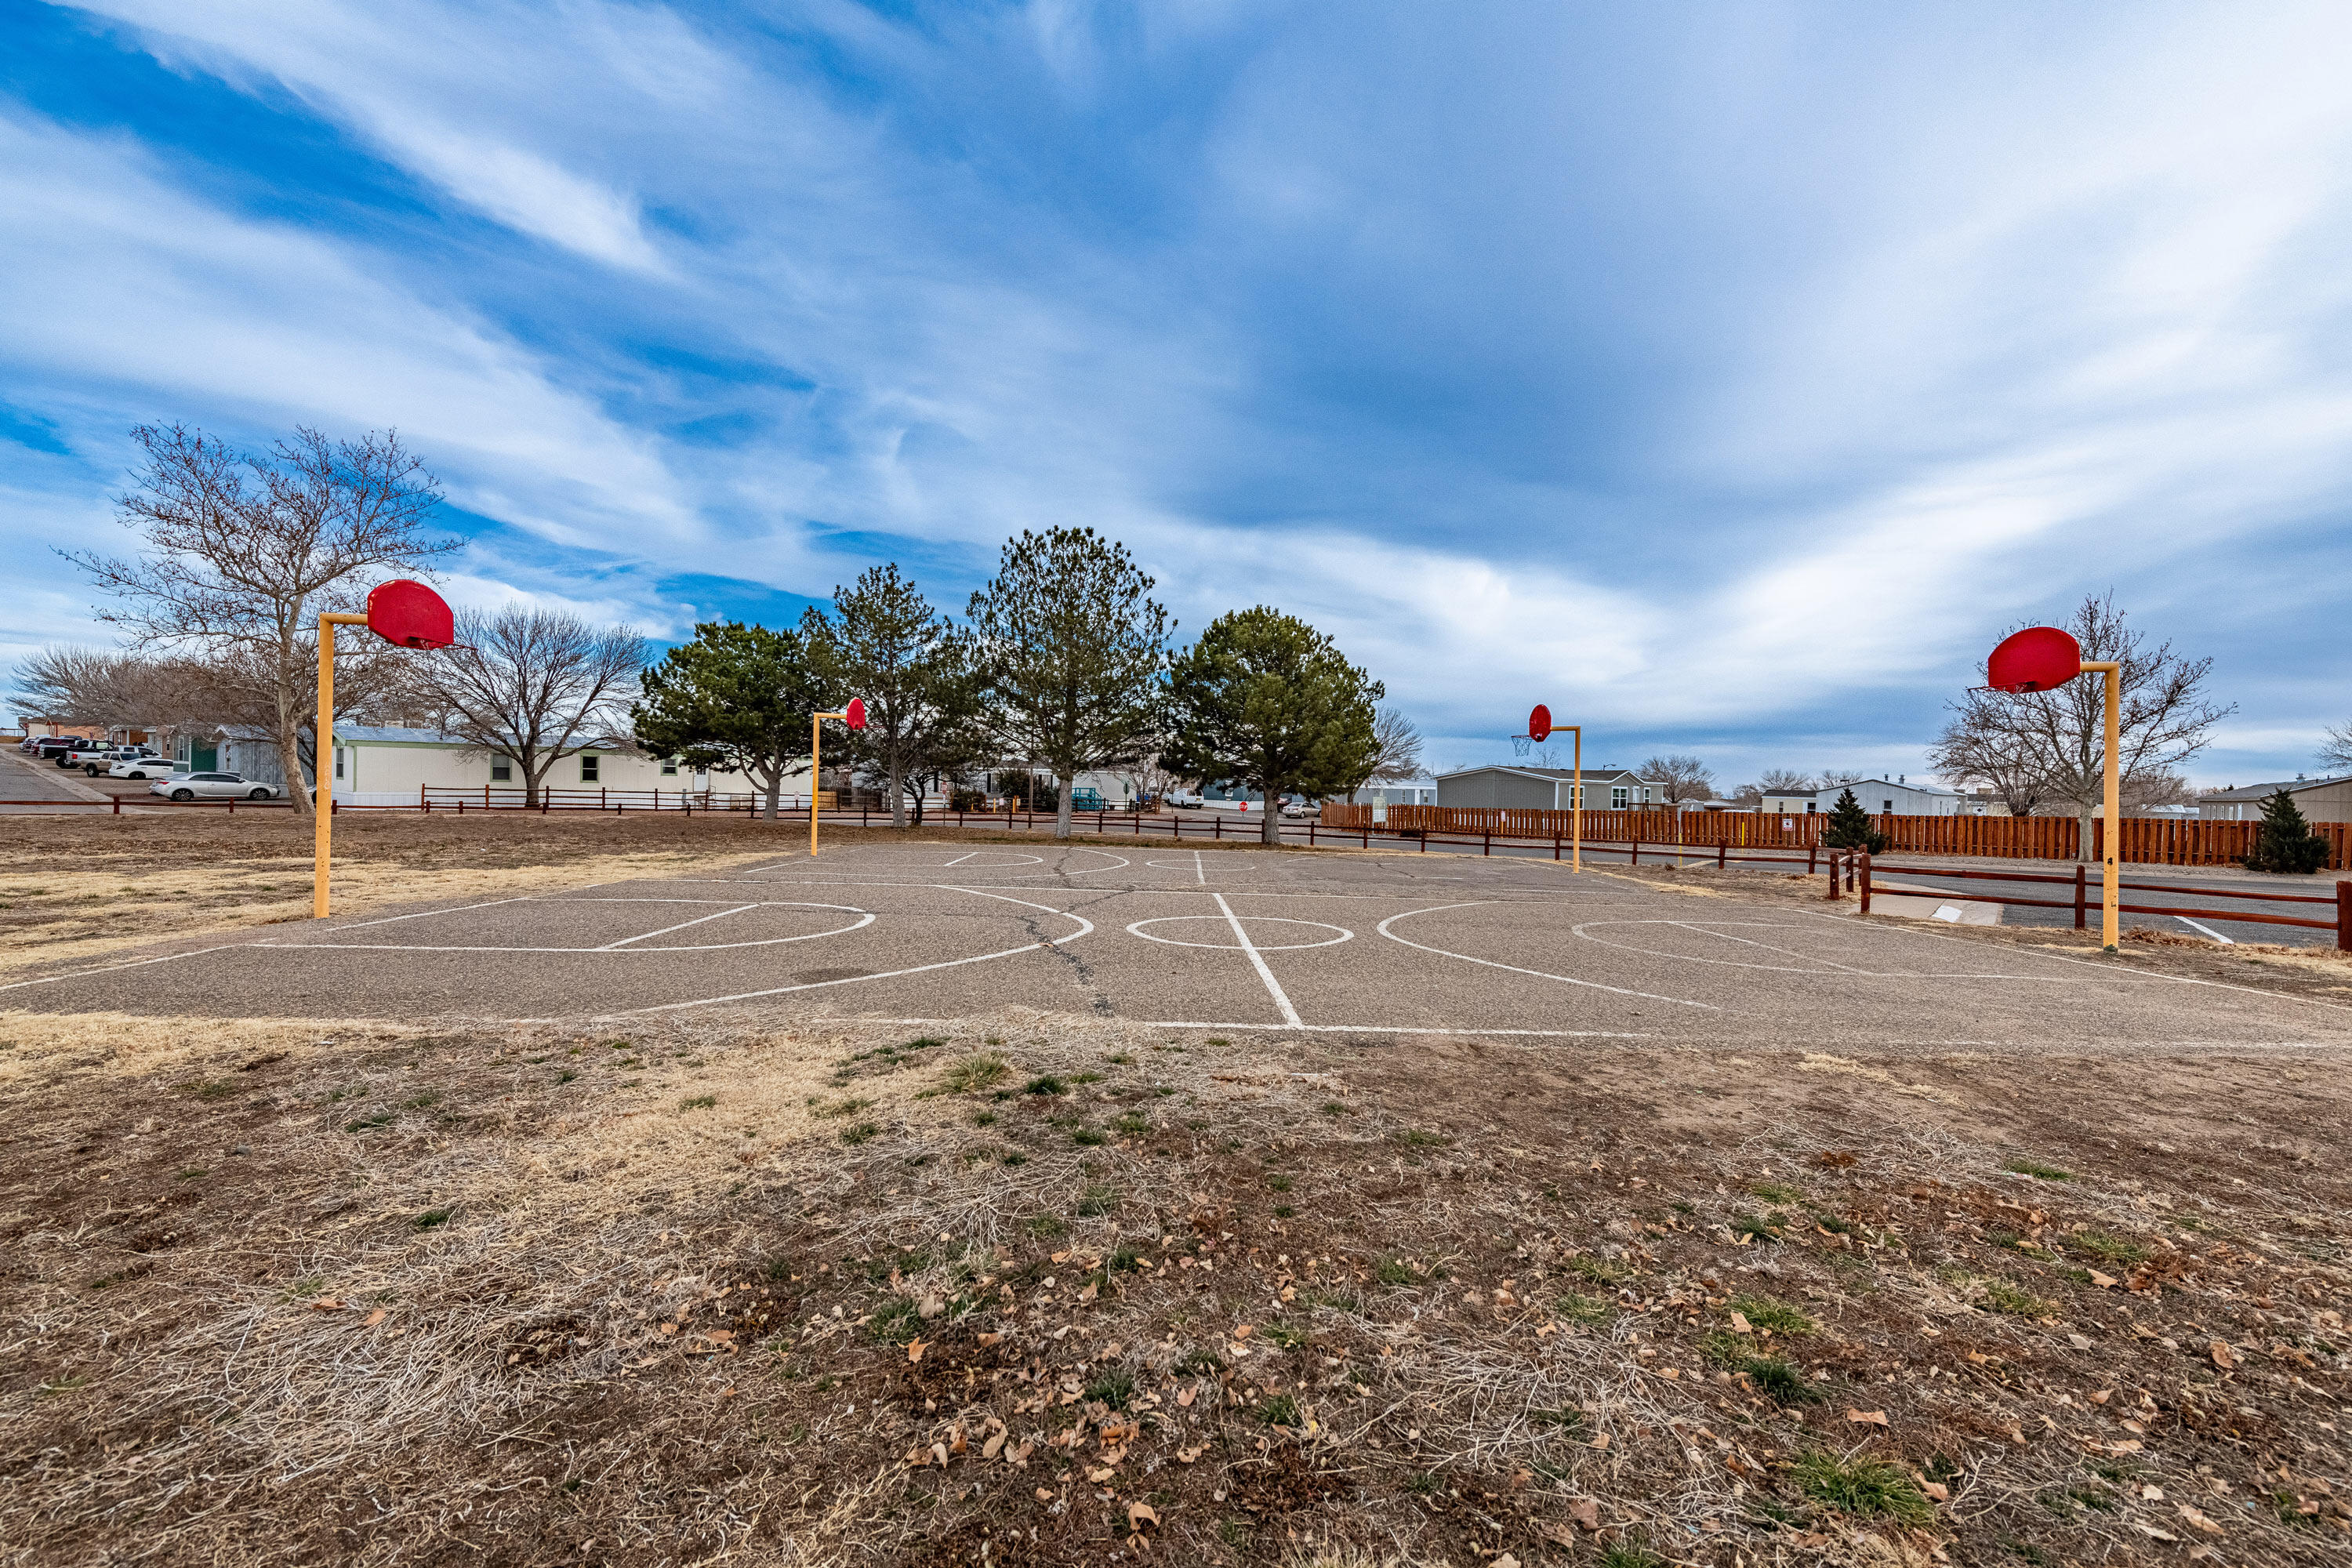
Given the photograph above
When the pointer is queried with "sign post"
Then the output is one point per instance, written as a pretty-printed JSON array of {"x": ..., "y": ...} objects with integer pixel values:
[
  {"x": 854, "y": 717},
  {"x": 2042, "y": 659},
  {"x": 402, "y": 611}
]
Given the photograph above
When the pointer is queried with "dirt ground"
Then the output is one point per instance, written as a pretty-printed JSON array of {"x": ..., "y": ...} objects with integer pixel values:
[{"x": 1047, "y": 1290}]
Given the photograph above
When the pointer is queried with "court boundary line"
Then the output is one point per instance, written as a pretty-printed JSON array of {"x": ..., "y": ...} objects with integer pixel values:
[
  {"x": 1564, "y": 979},
  {"x": 1257, "y": 962}
]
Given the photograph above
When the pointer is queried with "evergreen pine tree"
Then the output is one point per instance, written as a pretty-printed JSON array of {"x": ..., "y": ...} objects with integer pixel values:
[
  {"x": 1849, "y": 827},
  {"x": 2284, "y": 841}
]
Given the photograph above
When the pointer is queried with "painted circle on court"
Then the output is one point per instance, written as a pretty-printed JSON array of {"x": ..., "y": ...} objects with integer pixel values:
[{"x": 1225, "y": 926}]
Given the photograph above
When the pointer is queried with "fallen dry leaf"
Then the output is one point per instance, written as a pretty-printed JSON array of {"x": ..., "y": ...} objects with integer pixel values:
[
  {"x": 1139, "y": 1514},
  {"x": 2222, "y": 1356},
  {"x": 1871, "y": 1417},
  {"x": 1600, "y": 1442},
  {"x": 940, "y": 1454},
  {"x": 1091, "y": 1292},
  {"x": 1186, "y": 1397},
  {"x": 1186, "y": 1456},
  {"x": 2197, "y": 1521},
  {"x": 1586, "y": 1512},
  {"x": 915, "y": 1349},
  {"x": 372, "y": 1319},
  {"x": 2104, "y": 1282},
  {"x": 1044, "y": 1494},
  {"x": 1936, "y": 1490},
  {"x": 326, "y": 1304},
  {"x": 1243, "y": 1331},
  {"x": 988, "y": 1450},
  {"x": 1740, "y": 1325},
  {"x": 1504, "y": 1560},
  {"x": 1100, "y": 1475}
]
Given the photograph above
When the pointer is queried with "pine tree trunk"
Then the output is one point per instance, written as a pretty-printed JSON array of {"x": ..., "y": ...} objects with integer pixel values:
[
  {"x": 1270, "y": 830},
  {"x": 898, "y": 794},
  {"x": 1062, "y": 807},
  {"x": 776, "y": 787}
]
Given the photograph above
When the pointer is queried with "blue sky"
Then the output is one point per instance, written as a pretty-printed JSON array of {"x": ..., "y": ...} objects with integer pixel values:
[{"x": 1727, "y": 375}]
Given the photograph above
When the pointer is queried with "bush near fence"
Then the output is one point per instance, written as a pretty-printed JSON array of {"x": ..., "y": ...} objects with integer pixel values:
[{"x": 2146, "y": 840}]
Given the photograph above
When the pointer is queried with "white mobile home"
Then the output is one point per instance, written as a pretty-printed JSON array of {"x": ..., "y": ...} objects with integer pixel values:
[{"x": 384, "y": 765}]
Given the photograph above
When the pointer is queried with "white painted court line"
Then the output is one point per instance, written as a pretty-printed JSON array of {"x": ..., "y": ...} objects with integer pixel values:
[
  {"x": 648, "y": 936},
  {"x": 2209, "y": 931},
  {"x": 418, "y": 915},
  {"x": 2093, "y": 963},
  {"x": 1541, "y": 975},
  {"x": 1085, "y": 927},
  {"x": 1257, "y": 961},
  {"x": 1385, "y": 1029},
  {"x": 864, "y": 919},
  {"x": 1767, "y": 947},
  {"x": 117, "y": 968}
]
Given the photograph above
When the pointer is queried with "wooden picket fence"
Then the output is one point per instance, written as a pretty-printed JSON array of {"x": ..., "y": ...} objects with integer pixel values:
[{"x": 2146, "y": 840}]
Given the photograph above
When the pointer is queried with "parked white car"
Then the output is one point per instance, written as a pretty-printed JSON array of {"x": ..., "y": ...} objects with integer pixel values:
[
  {"x": 142, "y": 768},
  {"x": 1299, "y": 808},
  {"x": 213, "y": 786}
]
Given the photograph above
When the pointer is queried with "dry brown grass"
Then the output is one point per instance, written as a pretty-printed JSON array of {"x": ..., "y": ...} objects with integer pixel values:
[{"x": 306, "y": 1291}]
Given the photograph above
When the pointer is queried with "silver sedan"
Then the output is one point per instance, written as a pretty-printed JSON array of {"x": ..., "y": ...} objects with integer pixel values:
[{"x": 213, "y": 786}]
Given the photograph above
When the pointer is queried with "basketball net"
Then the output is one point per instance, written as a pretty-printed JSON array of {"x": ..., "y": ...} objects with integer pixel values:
[{"x": 1521, "y": 745}]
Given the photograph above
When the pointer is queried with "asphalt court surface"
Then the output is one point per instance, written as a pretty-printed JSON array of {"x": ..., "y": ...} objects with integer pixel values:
[{"x": 1215, "y": 940}]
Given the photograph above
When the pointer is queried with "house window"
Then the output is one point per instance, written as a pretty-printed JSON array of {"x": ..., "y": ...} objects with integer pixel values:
[
  {"x": 339, "y": 760},
  {"x": 588, "y": 768},
  {"x": 1887, "y": 805},
  {"x": 1619, "y": 795},
  {"x": 669, "y": 767},
  {"x": 501, "y": 771}
]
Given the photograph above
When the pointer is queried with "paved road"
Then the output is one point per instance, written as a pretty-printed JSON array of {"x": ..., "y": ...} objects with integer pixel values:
[
  {"x": 23, "y": 778},
  {"x": 1381, "y": 947}
]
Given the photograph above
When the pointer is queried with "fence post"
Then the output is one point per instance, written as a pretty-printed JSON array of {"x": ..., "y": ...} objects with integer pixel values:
[
  {"x": 1722, "y": 856},
  {"x": 1833, "y": 893},
  {"x": 1811, "y": 851},
  {"x": 2344, "y": 917},
  {"x": 1554, "y": 845},
  {"x": 118, "y": 804},
  {"x": 1490, "y": 843},
  {"x": 1424, "y": 840},
  {"x": 1866, "y": 881},
  {"x": 1637, "y": 850},
  {"x": 1220, "y": 820},
  {"x": 2078, "y": 895}
]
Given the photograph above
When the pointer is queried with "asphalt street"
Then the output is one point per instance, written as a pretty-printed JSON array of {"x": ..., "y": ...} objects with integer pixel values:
[
  {"x": 23, "y": 778},
  {"x": 1382, "y": 946}
]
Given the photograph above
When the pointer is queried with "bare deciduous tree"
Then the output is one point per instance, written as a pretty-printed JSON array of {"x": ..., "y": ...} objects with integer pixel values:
[
  {"x": 2337, "y": 751},
  {"x": 536, "y": 686},
  {"x": 1774, "y": 782},
  {"x": 1679, "y": 778},
  {"x": 242, "y": 551},
  {"x": 2040, "y": 748},
  {"x": 1397, "y": 748}
]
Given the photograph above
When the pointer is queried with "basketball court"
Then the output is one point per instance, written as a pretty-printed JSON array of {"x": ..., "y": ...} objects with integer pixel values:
[{"x": 1382, "y": 946}]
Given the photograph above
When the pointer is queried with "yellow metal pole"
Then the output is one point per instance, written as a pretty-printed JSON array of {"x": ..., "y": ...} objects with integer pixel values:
[
  {"x": 322, "y": 762},
  {"x": 816, "y": 730},
  {"x": 2112, "y": 849},
  {"x": 1576, "y": 802}
]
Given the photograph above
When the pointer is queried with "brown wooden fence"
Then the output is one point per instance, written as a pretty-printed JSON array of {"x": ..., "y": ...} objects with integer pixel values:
[{"x": 2147, "y": 840}]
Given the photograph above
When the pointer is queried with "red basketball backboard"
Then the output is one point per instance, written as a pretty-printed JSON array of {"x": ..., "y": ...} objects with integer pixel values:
[
  {"x": 1540, "y": 723},
  {"x": 854, "y": 715},
  {"x": 408, "y": 613},
  {"x": 2035, "y": 659}
]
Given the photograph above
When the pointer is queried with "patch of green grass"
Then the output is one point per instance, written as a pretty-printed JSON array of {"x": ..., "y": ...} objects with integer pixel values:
[
  {"x": 1131, "y": 1124},
  {"x": 2105, "y": 1248},
  {"x": 2038, "y": 1170},
  {"x": 215, "y": 1091},
  {"x": 1163, "y": 1090},
  {"x": 425, "y": 1101},
  {"x": 982, "y": 1070},
  {"x": 1113, "y": 1386},
  {"x": 1831, "y": 1222},
  {"x": 985, "y": 1118},
  {"x": 1629, "y": 1552},
  {"x": 1864, "y": 1487},
  {"x": 1774, "y": 1378},
  {"x": 430, "y": 1218},
  {"x": 1201, "y": 1364},
  {"x": 1098, "y": 1201},
  {"x": 190, "y": 1175},
  {"x": 1282, "y": 1410},
  {"x": 698, "y": 1102},
  {"x": 1585, "y": 1309},
  {"x": 1425, "y": 1483},
  {"x": 840, "y": 1108},
  {"x": 1414, "y": 1138},
  {"x": 1090, "y": 1137},
  {"x": 365, "y": 1123},
  {"x": 923, "y": 1043},
  {"x": 1086, "y": 1078},
  {"x": 1757, "y": 1228},
  {"x": 1122, "y": 1260},
  {"x": 1277, "y": 1183},
  {"x": 1046, "y": 1226},
  {"x": 1216, "y": 1042},
  {"x": 1287, "y": 1336},
  {"x": 1285, "y": 1211},
  {"x": 1566, "y": 1418},
  {"x": 1776, "y": 1193},
  {"x": 860, "y": 1133},
  {"x": 1121, "y": 1058},
  {"x": 1046, "y": 1083},
  {"x": 1390, "y": 1269},
  {"x": 1601, "y": 1270},
  {"x": 1764, "y": 1312},
  {"x": 566, "y": 1076},
  {"x": 2003, "y": 1297},
  {"x": 1335, "y": 1107},
  {"x": 895, "y": 1321},
  {"x": 1015, "y": 1157}
]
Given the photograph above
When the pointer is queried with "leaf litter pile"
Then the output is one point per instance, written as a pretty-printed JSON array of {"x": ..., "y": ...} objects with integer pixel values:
[{"x": 1060, "y": 1292}]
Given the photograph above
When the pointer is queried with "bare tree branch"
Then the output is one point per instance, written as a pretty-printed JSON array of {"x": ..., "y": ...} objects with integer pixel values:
[{"x": 536, "y": 686}]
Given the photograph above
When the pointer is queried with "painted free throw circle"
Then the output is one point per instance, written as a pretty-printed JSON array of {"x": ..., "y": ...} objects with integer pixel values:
[{"x": 1225, "y": 926}]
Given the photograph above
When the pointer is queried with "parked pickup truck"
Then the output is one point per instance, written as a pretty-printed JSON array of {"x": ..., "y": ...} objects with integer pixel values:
[{"x": 140, "y": 767}]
